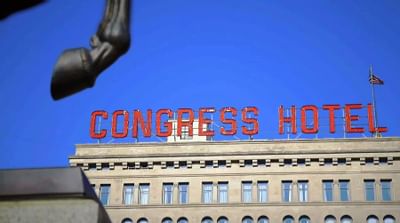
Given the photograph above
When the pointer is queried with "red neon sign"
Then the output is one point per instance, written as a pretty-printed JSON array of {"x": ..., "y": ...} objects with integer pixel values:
[{"x": 228, "y": 117}]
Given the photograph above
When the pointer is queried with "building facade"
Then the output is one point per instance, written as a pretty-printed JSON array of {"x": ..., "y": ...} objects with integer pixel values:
[{"x": 291, "y": 181}]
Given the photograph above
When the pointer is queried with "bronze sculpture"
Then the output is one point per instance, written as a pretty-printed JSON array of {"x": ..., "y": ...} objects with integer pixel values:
[{"x": 78, "y": 68}]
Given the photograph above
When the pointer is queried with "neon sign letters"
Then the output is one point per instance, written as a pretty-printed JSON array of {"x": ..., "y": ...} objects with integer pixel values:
[{"x": 232, "y": 120}]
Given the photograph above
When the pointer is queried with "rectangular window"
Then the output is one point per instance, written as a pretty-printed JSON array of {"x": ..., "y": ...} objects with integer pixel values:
[
  {"x": 344, "y": 190},
  {"x": 207, "y": 192},
  {"x": 128, "y": 194},
  {"x": 92, "y": 166},
  {"x": 301, "y": 162},
  {"x": 104, "y": 193},
  {"x": 287, "y": 191},
  {"x": 105, "y": 166},
  {"x": 386, "y": 186},
  {"x": 144, "y": 190},
  {"x": 369, "y": 186},
  {"x": 183, "y": 193},
  {"x": 262, "y": 191},
  {"x": 303, "y": 191},
  {"x": 209, "y": 163},
  {"x": 247, "y": 191},
  {"x": 328, "y": 190},
  {"x": 223, "y": 192},
  {"x": 248, "y": 163},
  {"x": 168, "y": 190},
  {"x": 185, "y": 133}
]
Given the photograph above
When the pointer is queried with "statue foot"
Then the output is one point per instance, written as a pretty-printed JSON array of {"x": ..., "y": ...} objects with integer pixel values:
[{"x": 72, "y": 73}]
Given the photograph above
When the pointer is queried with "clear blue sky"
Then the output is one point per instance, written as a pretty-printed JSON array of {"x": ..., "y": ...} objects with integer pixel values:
[{"x": 194, "y": 54}]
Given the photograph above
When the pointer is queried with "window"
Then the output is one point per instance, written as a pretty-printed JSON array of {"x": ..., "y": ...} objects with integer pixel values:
[
  {"x": 247, "y": 219},
  {"x": 344, "y": 190},
  {"x": 287, "y": 162},
  {"x": 346, "y": 219},
  {"x": 209, "y": 163},
  {"x": 144, "y": 165},
  {"x": 261, "y": 163},
  {"x": 183, "y": 164},
  {"x": 207, "y": 192},
  {"x": 369, "y": 186},
  {"x": 223, "y": 220},
  {"x": 330, "y": 219},
  {"x": 185, "y": 133},
  {"x": 328, "y": 190},
  {"x": 301, "y": 162},
  {"x": 303, "y": 191},
  {"x": 168, "y": 189},
  {"x": 183, "y": 193},
  {"x": 386, "y": 187},
  {"x": 287, "y": 191},
  {"x": 169, "y": 165},
  {"x": 328, "y": 162},
  {"x": 248, "y": 163},
  {"x": 372, "y": 219},
  {"x": 388, "y": 219},
  {"x": 221, "y": 163},
  {"x": 263, "y": 219},
  {"x": 127, "y": 220},
  {"x": 128, "y": 194},
  {"x": 104, "y": 193},
  {"x": 288, "y": 219},
  {"x": 130, "y": 165},
  {"x": 92, "y": 166},
  {"x": 142, "y": 220},
  {"x": 207, "y": 220},
  {"x": 183, "y": 220},
  {"x": 223, "y": 192},
  {"x": 341, "y": 161},
  {"x": 166, "y": 220},
  {"x": 246, "y": 191},
  {"x": 304, "y": 219},
  {"x": 262, "y": 191},
  {"x": 383, "y": 160},
  {"x": 144, "y": 193},
  {"x": 105, "y": 166}
]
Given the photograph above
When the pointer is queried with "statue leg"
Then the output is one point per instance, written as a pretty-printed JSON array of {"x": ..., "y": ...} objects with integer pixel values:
[
  {"x": 77, "y": 69},
  {"x": 116, "y": 34}
]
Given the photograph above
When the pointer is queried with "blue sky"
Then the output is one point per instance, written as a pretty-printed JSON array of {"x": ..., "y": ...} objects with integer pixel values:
[{"x": 195, "y": 54}]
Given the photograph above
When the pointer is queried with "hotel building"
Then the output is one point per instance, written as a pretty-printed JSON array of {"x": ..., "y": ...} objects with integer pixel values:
[{"x": 192, "y": 179}]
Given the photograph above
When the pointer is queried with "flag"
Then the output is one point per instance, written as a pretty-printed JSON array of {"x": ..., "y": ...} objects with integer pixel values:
[{"x": 375, "y": 80}]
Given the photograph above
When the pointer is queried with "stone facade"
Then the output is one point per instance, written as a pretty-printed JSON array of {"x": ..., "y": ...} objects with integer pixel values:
[{"x": 366, "y": 167}]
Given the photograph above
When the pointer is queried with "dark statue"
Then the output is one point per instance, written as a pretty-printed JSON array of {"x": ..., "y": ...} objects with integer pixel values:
[
  {"x": 10, "y": 7},
  {"x": 78, "y": 68}
]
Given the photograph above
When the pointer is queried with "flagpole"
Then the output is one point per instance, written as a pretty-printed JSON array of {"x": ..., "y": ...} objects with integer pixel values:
[{"x": 373, "y": 102}]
